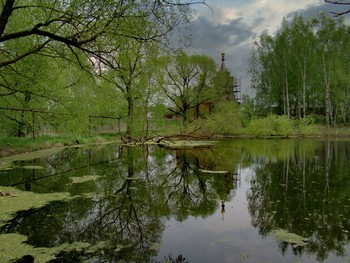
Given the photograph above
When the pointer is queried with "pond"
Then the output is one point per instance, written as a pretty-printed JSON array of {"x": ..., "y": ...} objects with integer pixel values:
[{"x": 273, "y": 200}]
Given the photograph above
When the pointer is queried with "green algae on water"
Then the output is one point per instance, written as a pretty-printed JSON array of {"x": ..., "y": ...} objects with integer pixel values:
[
  {"x": 13, "y": 247},
  {"x": 291, "y": 238},
  {"x": 21, "y": 200},
  {"x": 6, "y": 163},
  {"x": 31, "y": 155}
]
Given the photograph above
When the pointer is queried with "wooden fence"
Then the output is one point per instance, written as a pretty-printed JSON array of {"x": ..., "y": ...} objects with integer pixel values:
[{"x": 33, "y": 113}]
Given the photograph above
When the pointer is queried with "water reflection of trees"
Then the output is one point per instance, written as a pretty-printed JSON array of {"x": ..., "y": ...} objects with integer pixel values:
[
  {"x": 307, "y": 193},
  {"x": 53, "y": 173},
  {"x": 124, "y": 218}
]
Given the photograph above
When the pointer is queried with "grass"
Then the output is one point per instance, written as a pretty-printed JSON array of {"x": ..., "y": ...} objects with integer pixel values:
[
  {"x": 337, "y": 131},
  {"x": 16, "y": 145}
]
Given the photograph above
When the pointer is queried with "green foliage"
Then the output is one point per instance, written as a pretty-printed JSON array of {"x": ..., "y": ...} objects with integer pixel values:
[
  {"x": 307, "y": 127},
  {"x": 224, "y": 120},
  {"x": 302, "y": 70},
  {"x": 276, "y": 125},
  {"x": 53, "y": 54},
  {"x": 272, "y": 125},
  {"x": 247, "y": 110},
  {"x": 187, "y": 82}
]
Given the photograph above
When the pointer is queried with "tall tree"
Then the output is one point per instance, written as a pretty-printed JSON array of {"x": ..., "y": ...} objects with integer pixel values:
[
  {"x": 264, "y": 73},
  {"x": 289, "y": 69},
  {"x": 329, "y": 42},
  {"x": 78, "y": 31},
  {"x": 301, "y": 43},
  {"x": 129, "y": 67},
  {"x": 187, "y": 80}
]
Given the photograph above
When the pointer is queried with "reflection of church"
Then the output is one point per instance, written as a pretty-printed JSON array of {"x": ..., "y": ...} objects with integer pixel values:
[
  {"x": 231, "y": 180},
  {"x": 222, "y": 209}
]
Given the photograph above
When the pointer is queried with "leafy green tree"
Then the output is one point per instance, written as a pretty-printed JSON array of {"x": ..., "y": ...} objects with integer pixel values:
[
  {"x": 187, "y": 82},
  {"x": 84, "y": 33},
  {"x": 331, "y": 39},
  {"x": 262, "y": 74},
  {"x": 301, "y": 47},
  {"x": 130, "y": 71},
  {"x": 51, "y": 88},
  {"x": 286, "y": 69},
  {"x": 79, "y": 25}
]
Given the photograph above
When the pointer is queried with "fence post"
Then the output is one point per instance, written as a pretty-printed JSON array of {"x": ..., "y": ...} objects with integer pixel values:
[{"x": 33, "y": 123}]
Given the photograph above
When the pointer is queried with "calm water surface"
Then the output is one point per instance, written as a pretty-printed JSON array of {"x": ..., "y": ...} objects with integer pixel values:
[{"x": 225, "y": 203}]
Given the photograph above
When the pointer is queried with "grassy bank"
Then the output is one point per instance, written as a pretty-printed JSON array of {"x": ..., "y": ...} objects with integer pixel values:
[{"x": 15, "y": 145}]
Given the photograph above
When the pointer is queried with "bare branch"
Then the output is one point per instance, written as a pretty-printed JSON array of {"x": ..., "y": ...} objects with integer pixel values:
[
  {"x": 5, "y": 14},
  {"x": 336, "y": 2},
  {"x": 14, "y": 60},
  {"x": 337, "y": 14}
]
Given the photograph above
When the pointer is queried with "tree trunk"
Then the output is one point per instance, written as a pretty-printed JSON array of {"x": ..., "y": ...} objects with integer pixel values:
[
  {"x": 130, "y": 122},
  {"x": 286, "y": 87},
  {"x": 304, "y": 91},
  {"x": 184, "y": 118},
  {"x": 328, "y": 104},
  {"x": 145, "y": 107}
]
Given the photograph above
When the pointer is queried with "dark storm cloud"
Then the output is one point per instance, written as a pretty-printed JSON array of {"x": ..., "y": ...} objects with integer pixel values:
[
  {"x": 235, "y": 38},
  {"x": 258, "y": 21},
  {"x": 208, "y": 35}
]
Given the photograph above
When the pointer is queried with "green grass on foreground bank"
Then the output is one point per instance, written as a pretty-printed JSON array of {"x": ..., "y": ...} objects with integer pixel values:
[{"x": 16, "y": 145}]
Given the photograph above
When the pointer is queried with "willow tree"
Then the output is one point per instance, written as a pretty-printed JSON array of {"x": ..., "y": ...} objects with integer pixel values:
[
  {"x": 127, "y": 75},
  {"x": 79, "y": 25},
  {"x": 78, "y": 31}
]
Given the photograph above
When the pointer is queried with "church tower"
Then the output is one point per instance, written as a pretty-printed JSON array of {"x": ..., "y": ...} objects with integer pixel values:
[{"x": 222, "y": 67}]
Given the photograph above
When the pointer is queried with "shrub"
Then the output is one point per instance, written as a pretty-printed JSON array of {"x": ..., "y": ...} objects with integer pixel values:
[
  {"x": 307, "y": 127},
  {"x": 272, "y": 125},
  {"x": 224, "y": 120}
]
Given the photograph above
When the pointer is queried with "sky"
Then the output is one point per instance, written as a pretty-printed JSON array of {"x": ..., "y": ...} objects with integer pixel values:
[{"x": 232, "y": 27}]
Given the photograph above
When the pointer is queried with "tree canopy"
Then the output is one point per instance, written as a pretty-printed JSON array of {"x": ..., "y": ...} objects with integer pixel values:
[
  {"x": 188, "y": 82},
  {"x": 302, "y": 70},
  {"x": 52, "y": 54},
  {"x": 80, "y": 25}
]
